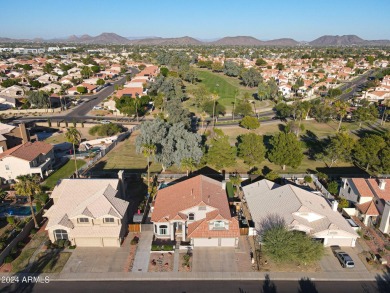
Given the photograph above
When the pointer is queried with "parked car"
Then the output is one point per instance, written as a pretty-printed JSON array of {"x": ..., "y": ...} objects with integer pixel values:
[
  {"x": 105, "y": 122},
  {"x": 97, "y": 107},
  {"x": 344, "y": 258}
]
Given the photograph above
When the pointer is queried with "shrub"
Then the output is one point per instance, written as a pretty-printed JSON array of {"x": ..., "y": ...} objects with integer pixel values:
[
  {"x": 67, "y": 243},
  {"x": 134, "y": 241},
  {"x": 387, "y": 247},
  {"x": 11, "y": 220},
  {"x": 249, "y": 122},
  {"x": 61, "y": 243},
  {"x": 72, "y": 247},
  {"x": 33, "y": 231},
  {"x": 333, "y": 187},
  {"x": 2, "y": 245},
  {"x": 48, "y": 243},
  {"x": 21, "y": 244},
  {"x": 308, "y": 179},
  {"x": 8, "y": 259},
  {"x": 38, "y": 206},
  {"x": 322, "y": 176},
  {"x": 366, "y": 237},
  {"x": 186, "y": 258},
  {"x": 14, "y": 250}
]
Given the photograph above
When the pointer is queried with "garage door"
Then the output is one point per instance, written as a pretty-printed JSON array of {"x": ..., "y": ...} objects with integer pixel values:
[
  {"x": 89, "y": 242},
  {"x": 204, "y": 242},
  {"x": 111, "y": 242},
  {"x": 339, "y": 241},
  {"x": 228, "y": 242}
]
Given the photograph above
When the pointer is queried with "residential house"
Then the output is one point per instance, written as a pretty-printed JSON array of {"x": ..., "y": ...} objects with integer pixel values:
[
  {"x": 195, "y": 210},
  {"x": 371, "y": 197},
  {"x": 88, "y": 212},
  {"x": 301, "y": 210},
  {"x": 11, "y": 136},
  {"x": 25, "y": 159}
]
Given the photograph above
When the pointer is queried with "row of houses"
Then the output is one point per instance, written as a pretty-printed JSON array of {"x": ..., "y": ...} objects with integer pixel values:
[{"x": 195, "y": 211}]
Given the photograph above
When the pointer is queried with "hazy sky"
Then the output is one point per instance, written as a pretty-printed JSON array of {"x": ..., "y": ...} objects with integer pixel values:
[{"x": 205, "y": 19}]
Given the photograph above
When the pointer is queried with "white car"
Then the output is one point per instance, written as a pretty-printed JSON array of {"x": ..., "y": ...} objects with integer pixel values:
[
  {"x": 97, "y": 107},
  {"x": 105, "y": 122}
]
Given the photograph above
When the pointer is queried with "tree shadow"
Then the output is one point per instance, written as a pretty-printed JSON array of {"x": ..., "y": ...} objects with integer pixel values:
[
  {"x": 307, "y": 286},
  {"x": 314, "y": 145},
  {"x": 383, "y": 281},
  {"x": 268, "y": 285}
]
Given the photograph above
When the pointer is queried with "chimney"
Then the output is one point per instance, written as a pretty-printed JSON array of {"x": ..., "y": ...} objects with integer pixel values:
[
  {"x": 208, "y": 199},
  {"x": 382, "y": 184},
  {"x": 23, "y": 133},
  {"x": 335, "y": 205},
  {"x": 122, "y": 187},
  {"x": 223, "y": 184}
]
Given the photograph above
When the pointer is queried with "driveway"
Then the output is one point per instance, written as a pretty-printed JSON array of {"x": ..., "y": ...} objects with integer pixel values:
[
  {"x": 214, "y": 259},
  {"x": 329, "y": 263},
  {"x": 98, "y": 260}
]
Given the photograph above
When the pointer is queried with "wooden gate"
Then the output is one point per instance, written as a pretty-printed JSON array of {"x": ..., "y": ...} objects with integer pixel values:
[{"x": 134, "y": 227}]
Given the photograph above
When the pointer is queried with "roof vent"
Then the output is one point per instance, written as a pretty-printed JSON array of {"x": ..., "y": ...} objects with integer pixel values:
[{"x": 382, "y": 184}]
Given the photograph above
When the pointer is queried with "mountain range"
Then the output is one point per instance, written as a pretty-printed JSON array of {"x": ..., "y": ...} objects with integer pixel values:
[{"x": 112, "y": 38}]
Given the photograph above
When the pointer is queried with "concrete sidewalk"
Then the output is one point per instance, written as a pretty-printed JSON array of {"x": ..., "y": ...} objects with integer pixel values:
[{"x": 142, "y": 255}]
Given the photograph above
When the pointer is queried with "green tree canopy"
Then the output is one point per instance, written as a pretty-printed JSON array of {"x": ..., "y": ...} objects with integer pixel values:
[
  {"x": 340, "y": 148},
  {"x": 251, "y": 149},
  {"x": 286, "y": 150},
  {"x": 249, "y": 122},
  {"x": 220, "y": 153},
  {"x": 251, "y": 77}
]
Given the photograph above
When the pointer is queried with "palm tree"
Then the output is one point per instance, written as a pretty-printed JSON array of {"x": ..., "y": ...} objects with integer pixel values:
[
  {"x": 188, "y": 164},
  {"x": 341, "y": 110},
  {"x": 148, "y": 150},
  {"x": 235, "y": 180},
  {"x": 74, "y": 137},
  {"x": 28, "y": 185}
]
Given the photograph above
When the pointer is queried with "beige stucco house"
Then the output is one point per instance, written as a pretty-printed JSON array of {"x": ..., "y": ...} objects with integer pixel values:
[
  {"x": 88, "y": 212},
  {"x": 301, "y": 210},
  {"x": 27, "y": 159}
]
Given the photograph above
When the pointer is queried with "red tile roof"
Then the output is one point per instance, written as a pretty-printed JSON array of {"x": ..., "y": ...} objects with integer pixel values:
[
  {"x": 383, "y": 194},
  {"x": 368, "y": 208},
  {"x": 28, "y": 151},
  {"x": 176, "y": 198},
  {"x": 200, "y": 229},
  {"x": 362, "y": 187}
]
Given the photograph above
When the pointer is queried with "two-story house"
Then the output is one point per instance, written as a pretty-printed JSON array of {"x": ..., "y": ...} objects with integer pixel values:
[
  {"x": 371, "y": 197},
  {"x": 195, "y": 210},
  {"x": 88, "y": 212},
  {"x": 11, "y": 136},
  {"x": 27, "y": 159}
]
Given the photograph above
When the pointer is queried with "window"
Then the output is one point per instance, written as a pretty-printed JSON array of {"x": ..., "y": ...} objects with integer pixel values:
[
  {"x": 83, "y": 220},
  {"x": 108, "y": 220},
  {"x": 219, "y": 224},
  {"x": 163, "y": 230},
  {"x": 191, "y": 216},
  {"x": 349, "y": 190},
  {"x": 6, "y": 167},
  {"x": 60, "y": 234}
]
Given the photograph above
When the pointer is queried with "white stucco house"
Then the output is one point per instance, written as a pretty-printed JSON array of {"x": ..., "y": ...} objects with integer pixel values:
[
  {"x": 301, "y": 210},
  {"x": 88, "y": 212},
  {"x": 195, "y": 210},
  {"x": 26, "y": 159}
]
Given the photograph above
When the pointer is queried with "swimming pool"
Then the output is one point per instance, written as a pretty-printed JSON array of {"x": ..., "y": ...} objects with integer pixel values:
[{"x": 20, "y": 211}]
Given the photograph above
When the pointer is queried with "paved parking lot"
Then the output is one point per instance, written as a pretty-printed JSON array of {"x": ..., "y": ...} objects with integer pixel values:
[
  {"x": 214, "y": 259},
  {"x": 330, "y": 263}
]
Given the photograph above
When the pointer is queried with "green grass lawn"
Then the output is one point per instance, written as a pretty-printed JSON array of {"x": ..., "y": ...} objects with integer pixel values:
[
  {"x": 50, "y": 262},
  {"x": 64, "y": 172},
  {"x": 55, "y": 139}
]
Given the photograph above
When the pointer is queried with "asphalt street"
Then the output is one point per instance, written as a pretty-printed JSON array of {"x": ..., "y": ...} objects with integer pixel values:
[{"x": 303, "y": 286}]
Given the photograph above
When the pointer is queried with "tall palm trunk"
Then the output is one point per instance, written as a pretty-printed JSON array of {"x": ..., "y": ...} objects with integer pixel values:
[
  {"x": 148, "y": 174},
  {"x": 75, "y": 161},
  {"x": 341, "y": 119},
  {"x": 32, "y": 212}
]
